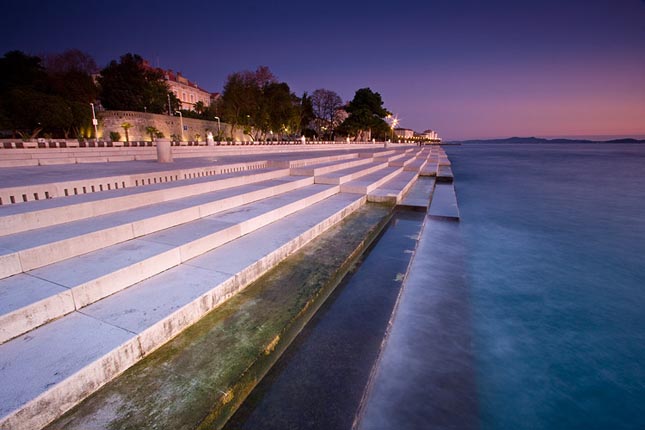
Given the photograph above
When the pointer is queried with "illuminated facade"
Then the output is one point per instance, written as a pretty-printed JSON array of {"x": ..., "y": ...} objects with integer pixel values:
[
  {"x": 430, "y": 135},
  {"x": 186, "y": 91},
  {"x": 404, "y": 133}
]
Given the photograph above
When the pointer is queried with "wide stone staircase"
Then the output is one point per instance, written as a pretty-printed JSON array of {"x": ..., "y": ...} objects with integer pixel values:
[{"x": 90, "y": 283}]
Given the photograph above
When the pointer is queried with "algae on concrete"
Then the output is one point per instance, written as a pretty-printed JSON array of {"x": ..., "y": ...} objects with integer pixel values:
[{"x": 199, "y": 378}]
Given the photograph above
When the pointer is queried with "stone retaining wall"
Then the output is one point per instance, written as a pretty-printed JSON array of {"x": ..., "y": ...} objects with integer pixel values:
[{"x": 169, "y": 125}]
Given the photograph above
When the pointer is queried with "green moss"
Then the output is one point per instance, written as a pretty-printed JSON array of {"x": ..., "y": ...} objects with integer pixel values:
[{"x": 199, "y": 378}]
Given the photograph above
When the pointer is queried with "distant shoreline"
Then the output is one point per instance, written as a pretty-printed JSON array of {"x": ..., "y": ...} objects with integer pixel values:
[{"x": 538, "y": 140}]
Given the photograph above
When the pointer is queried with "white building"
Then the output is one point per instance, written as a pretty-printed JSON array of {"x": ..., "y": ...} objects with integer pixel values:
[
  {"x": 186, "y": 91},
  {"x": 404, "y": 133},
  {"x": 429, "y": 135}
]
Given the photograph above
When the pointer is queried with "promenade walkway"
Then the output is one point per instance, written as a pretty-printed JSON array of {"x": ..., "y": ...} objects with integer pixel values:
[{"x": 102, "y": 263}]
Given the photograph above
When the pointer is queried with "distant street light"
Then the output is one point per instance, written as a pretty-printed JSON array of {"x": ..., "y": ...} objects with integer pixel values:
[
  {"x": 181, "y": 123},
  {"x": 95, "y": 122},
  {"x": 218, "y": 130}
]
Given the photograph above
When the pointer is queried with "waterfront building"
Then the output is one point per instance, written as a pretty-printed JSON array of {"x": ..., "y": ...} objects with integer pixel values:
[
  {"x": 429, "y": 135},
  {"x": 187, "y": 92},
  {"x": 404, "y": 133}
]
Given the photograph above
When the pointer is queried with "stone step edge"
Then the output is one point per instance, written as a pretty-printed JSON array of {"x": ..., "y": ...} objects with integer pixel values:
[
  {"x": 61, "y": 397},
  {"x": 34, "y": 315},
  {"x": 391, "y": 195},
  {"x": 53, "y": 252},
  {"x": 303, "y": 162},
  {"x": 349, "y": 176},
  {"x": 50, "y": 190},
  {"x": 358, "y": 186},
  {"x": 262, "y": 364},
  {"x": 313, "y": 170},
  {"x": 24, "y": 221}
]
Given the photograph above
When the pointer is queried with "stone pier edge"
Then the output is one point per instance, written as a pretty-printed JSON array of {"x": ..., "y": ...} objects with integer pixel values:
[{"x": 230, "y": 401}]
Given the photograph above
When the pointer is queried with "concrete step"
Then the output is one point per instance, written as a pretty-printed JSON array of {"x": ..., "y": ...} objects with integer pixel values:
[
  {"x": 392, "y": 191},
  {"x": 45, "y": 373},
  {"x": 391, "y": 158},
  {"x": 430, "y": 169},
  {"x": 96, "y": 183},
  {"x": 339, "y": 177},
  {"x": 416, "y": 165},
  {"x": 378, "y": 153},
  {"x": 444, "y": 173},
  {"x": 43, "y": 213},
  {"x": 303, "y": 162},
  {"x": 367, "y": 183},
  {"x": 444, "y": 202},
  {"x": 323, "y": 168},
  {"x": 77, "y": 282},
  {"x": 37, "y": 248},
  {"x": 420, "y": 194},
  {"x": 403, "y": 160}
]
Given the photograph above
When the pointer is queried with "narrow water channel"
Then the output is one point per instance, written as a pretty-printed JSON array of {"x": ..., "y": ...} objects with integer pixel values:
[{"x": 319, "y": 381}]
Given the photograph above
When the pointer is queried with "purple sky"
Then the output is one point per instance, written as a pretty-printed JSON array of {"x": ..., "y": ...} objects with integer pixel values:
[{"x": 468, "y": 69}]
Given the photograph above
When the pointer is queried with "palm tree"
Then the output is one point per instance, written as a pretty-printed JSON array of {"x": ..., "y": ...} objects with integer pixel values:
[
  {"x": 199, "y": 107},
  {"x": 153, "y": 132},
  {"x": 126, "y": 126}
]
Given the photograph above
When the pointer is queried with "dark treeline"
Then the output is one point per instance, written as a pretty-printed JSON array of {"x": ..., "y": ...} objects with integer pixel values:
[{"x": 50, "y": 96}]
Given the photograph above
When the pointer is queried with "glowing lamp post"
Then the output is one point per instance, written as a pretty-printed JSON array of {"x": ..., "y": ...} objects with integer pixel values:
[
  {"x": 181, "y": 124},
  {"x": 218, "y": 130},
  {"x": 95, "y": 122}
]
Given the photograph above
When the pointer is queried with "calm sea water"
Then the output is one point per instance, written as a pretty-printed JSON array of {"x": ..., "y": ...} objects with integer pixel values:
[{"x": 555, "y": 243}]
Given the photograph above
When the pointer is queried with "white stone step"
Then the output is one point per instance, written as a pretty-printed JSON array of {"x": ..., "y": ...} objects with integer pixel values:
[
  {"x": 323, "y": 168},
  {"x": 90, "y": 277},
  {"x": 110, "y": 178},
  {"x": 43, "y": 213},
  {"x": 416, "y": 165},
  {"x": 303, "y": 162},
  {"x": 49, "y": 370},
  {"x": 392, "y": 191},
  {"x": 378, "y": 153},
  {"x": 420, "y": 194},
  {"x": 444, "y": 202},
  {"x": 444, "y": 173},
  {"x": 345, "y": 175},
  {"x": 36, "y": 248},
  {"x": 372, "y": 181},
  {"x": 391, "y": 158},
  {"x": 430, "y": 169},
  {"x": 403, "y": 160}
]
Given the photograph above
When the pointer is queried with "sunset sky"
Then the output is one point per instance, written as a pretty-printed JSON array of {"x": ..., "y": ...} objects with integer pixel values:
[{"x": 467, "y": 68}]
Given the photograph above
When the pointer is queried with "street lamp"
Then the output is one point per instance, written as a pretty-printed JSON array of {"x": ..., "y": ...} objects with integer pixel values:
[
  {"x": 95, "y": 122},
  {"x": 395, "y": 122},
  {"x": 218, "y": 130},
  {"x": 181, "y": 123}
]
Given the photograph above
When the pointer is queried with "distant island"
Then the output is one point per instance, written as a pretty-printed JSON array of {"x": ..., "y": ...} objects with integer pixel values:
[{"x": 528, "y": 140}]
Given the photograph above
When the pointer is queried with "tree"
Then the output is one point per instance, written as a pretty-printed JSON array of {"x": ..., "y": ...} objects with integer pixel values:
[
  {"x": 153, "y": 132},
  {"x": 199, "y": 108},
  {"x": 307, "y": 116},
  {"x": 22, "y": 81},
  {"x": 70, "y": 75},
  {"x": 278, "y": 111},
  {"x": 366, "y": 114},
  {"x": 131, "y": 84},
  {"x": 325, "y": 104},
  {"x": 54, "y": 100},
  {"x": 241, "y": 102},
  {"x": 126, "y": 126}
]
